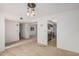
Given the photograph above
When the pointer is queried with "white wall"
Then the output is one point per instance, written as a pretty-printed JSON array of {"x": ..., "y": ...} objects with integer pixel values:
[
  {"x": 25, "y": 30},
  {"x": 68, "y": 30},
  {"x": 2, "y": 33},
  {"x": 11, "y": 31},
  {"x": 42, "y": 35}
]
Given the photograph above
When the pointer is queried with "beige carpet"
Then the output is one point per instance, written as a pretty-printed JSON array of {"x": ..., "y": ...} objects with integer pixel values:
[{"x": 31, "y": 48}]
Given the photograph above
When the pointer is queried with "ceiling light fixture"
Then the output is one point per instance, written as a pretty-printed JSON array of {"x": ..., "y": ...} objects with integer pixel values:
[{"x": 31, "y": 9}]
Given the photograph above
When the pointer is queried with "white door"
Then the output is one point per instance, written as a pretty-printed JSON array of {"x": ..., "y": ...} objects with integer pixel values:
[{"x": 11, "y": 31}]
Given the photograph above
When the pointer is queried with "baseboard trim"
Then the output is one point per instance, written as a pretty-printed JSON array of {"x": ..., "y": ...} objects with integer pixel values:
[{"x": 68, "y": 50}]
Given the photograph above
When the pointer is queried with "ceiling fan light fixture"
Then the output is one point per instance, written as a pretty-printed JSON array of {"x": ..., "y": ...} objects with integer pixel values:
[{"x": 31, "y": 9}]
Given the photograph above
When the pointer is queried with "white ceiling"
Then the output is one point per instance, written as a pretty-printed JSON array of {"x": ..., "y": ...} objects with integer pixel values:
[
  {"x": 42, "y": 9},
  {"x": 53, "y": 8}
]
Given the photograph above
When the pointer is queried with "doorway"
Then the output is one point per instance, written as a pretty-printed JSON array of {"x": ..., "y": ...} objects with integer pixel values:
[
  {"x": 33, "y": 30},
  {"x": 15, "y": 33},
  {"x": 52, "y": 34},
  {"x": 11, "y": 32}
]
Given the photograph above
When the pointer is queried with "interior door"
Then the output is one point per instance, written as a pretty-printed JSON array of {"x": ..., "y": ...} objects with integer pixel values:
[{"x": 11, "y": 31}]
